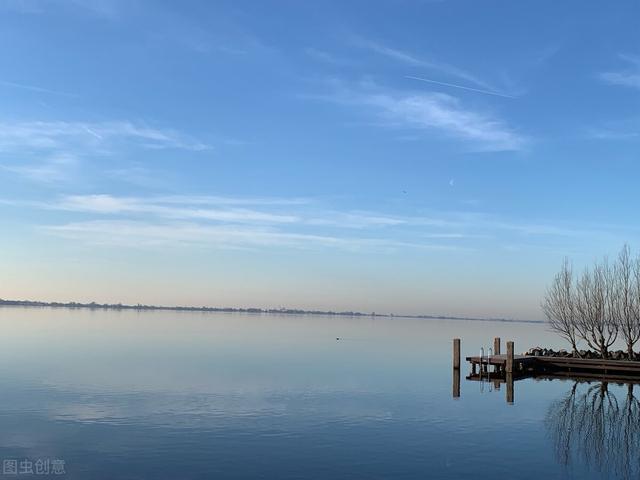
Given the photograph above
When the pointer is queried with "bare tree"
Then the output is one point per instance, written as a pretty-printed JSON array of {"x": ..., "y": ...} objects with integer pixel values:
[
  {"x": 598, "y": 306},
  {"x": 623, "y": 301},
  {"x": 559, "y": 306},
  {"x": 595, "y": 321},
  {"x": 635, "y": 293}
]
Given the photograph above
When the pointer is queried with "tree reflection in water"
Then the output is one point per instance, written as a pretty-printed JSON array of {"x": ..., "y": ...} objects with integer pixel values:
[{"x": 598, "y": 426}]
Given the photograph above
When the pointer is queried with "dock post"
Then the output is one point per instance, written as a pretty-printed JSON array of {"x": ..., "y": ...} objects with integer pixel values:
[
  {"x": 456, "y": 383},
  {"x": 509, "y": 379},
  {"x": 509, "y": 365},
  {"x": 456, "y": 368},
  {"x": 456, "y": 353},
  {"x": 496, "y": 346}
]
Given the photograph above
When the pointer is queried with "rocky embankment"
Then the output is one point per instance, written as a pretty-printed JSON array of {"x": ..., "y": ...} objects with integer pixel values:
[{"x": 549, "y": 352}]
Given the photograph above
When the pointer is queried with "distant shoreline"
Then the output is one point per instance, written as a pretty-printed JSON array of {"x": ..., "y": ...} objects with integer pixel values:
[{"x": 271, "y": 311}]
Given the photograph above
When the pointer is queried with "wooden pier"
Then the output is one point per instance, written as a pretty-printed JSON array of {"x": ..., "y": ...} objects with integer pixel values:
[
  {"x": 529, "y": 364},
  {"x": 521, "y": 363},
  {"x": 508, "y": 368}
]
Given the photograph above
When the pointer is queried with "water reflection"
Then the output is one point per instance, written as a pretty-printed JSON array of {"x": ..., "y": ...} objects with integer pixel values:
[
  {"x": 488, "y": 380},
  {"x": 456, "y": 383},
  {"x": 598, "y": 425},
  {"x": 159, "y": 395}
]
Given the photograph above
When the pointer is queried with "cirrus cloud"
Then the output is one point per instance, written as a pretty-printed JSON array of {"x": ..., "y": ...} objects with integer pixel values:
[{"x": 429, "y": 111}]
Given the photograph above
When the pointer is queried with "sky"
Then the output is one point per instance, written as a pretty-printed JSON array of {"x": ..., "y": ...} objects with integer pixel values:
[{"x": 407, "y": 156}]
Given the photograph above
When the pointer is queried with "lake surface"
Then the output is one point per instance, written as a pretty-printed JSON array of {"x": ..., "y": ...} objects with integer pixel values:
[{"x": 158, "y": 395}]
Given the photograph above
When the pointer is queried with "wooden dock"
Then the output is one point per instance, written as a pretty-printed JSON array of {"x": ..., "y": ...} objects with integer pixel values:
[
  {"x": 507, "y": 368},
  {"x": 592, "y": 365},
  {"x": 520, "y": 362},
  {"x": 532, "y": 364}
]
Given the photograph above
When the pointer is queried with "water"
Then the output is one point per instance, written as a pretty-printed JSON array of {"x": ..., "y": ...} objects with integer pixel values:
[{"x": 188, "y": 395}]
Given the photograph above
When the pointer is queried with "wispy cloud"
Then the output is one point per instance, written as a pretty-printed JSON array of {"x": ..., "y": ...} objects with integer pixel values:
[
  {"x": 64, "y": 135},
  {"x": 431, "y": 111},
  {"x": 472, "y": 235},
  {"x": 414, "y": 60},
  {"x": 268, "y": 211},
  {"x": 23, "y": 145},
  {"x": 629, "y": 77},
  {"x": 356, "y": 220},
  {"x": 281, "y": 212},
  {"x": 145, "y": 233},
  {"x": 57, "y": 168},
  {"x": 107, "y": 204},
  {"x": 148, "y": 234},
  {"x": 461, "y": 87},
  {"x": 237, "y": 222},
  {"x": 218, "y": 200},
  {"x": 33, "y": 88}
]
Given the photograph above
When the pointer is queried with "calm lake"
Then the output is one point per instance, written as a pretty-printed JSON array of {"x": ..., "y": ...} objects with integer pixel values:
[{"x": 133, "y": 395}]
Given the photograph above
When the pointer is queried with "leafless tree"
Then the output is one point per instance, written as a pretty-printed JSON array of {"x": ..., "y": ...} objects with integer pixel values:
[
  {"x": 597, "y": 307},
  {"x": 635, "y": 301},
  {"x": 559, "y": 306},
  {"x": 624, "y": 299},
  {"x": 595, "y": 321}
]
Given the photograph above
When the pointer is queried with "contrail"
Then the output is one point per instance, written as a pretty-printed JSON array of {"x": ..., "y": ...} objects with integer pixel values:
[
  {"x": 33, "y": 88},
  {"x": 92, "y": 132},
  {"x": 487, "y": 92}
]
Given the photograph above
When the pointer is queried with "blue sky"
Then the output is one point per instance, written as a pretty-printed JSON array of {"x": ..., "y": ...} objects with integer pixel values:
[{"x": 392, "y": 156}]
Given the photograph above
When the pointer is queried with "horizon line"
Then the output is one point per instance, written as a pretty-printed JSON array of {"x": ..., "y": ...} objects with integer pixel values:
[{"x": 270, "y": 311}]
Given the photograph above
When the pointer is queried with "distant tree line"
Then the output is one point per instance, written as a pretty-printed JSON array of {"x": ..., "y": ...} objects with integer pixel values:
[
  {"x": 598, "y": 306},
  {"x": 120, "y": 306},
  {"x": 286, "y": 311}
]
